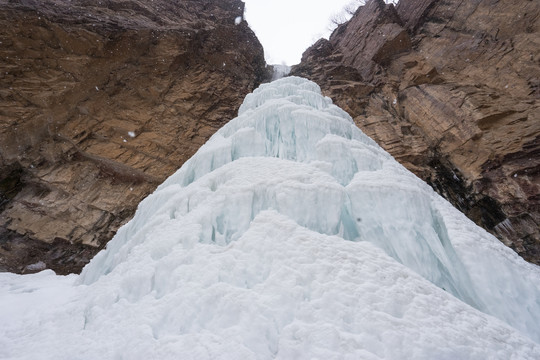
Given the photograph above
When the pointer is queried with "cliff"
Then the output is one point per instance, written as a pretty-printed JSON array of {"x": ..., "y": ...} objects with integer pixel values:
[
  {"x": 100, "y": 101},
  {"x": 450, "y": 88}
]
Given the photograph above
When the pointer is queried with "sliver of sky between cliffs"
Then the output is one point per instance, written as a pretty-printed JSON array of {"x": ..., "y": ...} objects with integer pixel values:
[{"x": 286, "y": 28}]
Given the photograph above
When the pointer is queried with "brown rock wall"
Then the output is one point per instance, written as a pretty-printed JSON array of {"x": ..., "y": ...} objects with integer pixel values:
[
  {"x": 99, "y": 103},
  {"x": 457, "y": 104}
]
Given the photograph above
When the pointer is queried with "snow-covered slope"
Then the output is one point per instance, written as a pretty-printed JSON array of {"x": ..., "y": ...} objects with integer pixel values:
[{"x": 289, "y": 235}]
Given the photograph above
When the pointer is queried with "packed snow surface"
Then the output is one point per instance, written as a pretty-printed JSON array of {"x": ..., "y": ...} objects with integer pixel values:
[{"x": 289, "y": 235}]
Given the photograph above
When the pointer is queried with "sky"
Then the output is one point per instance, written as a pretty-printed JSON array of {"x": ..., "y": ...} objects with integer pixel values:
[{"x": 286, "y": 28}]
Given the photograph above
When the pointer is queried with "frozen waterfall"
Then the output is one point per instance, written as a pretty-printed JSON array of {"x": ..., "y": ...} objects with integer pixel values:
[{"x": 289, "y": 235}]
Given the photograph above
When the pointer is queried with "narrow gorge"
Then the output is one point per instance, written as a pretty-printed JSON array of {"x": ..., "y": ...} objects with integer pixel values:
[{"x": 101, "y": 101}]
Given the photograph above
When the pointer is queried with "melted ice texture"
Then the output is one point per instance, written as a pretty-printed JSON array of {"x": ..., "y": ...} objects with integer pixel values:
[{"x": 289, "y": 235}]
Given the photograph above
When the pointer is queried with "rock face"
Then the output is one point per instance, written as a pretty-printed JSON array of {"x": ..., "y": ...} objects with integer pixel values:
[
  {"x": 99, "y": 102},
  {"x": 450, "y": 88}
]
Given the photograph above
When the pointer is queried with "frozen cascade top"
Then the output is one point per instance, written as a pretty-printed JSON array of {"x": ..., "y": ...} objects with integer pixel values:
[{"x": 288, "y": 235}]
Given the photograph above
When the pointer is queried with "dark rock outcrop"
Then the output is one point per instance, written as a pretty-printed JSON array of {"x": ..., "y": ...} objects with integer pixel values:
[
  {"x": 99, "y": 102},
  {"x": 450, "y": 88}
]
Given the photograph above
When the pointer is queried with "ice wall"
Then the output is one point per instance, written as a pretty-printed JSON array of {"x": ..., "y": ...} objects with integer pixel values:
[
  {"x": 334, "y": 180},
  {"x": 289, "y": 235}
]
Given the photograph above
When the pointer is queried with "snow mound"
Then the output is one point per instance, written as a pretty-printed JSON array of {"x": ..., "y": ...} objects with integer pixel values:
[{"x": 289, "y": 235}]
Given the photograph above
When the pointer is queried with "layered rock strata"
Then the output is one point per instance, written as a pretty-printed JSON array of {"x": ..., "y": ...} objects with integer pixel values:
[
  {"x": 450, "y": 88},
  {"x": 99, "y": 102}
]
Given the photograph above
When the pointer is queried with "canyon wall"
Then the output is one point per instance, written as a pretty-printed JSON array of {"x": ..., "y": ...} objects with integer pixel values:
[
  {"x": 100, "y": 101},
  {"x": 450, "y": 88}
]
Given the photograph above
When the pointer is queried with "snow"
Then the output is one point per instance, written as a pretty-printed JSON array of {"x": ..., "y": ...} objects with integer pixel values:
[
  {"x": 280, "y": 71},
  {"x": 38, "y": 266},
  {"x": 288, "y": 235}
]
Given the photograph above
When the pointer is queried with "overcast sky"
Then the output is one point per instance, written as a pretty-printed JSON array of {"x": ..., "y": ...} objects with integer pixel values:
[{"x": 288, "y": 27}]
